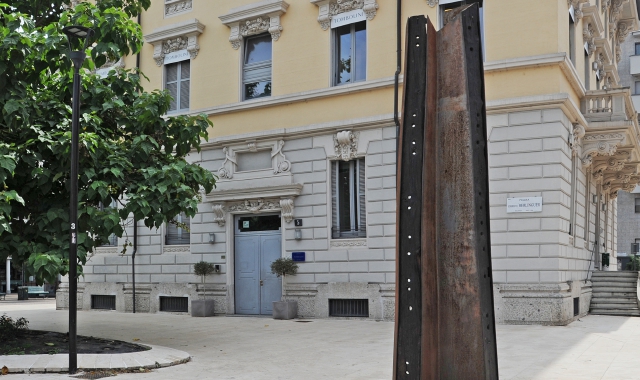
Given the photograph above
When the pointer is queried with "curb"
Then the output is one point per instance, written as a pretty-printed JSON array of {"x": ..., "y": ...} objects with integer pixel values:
[{"x": 157, "y": 357}]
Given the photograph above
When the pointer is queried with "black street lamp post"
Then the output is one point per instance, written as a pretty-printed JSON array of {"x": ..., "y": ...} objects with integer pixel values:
[{"x": 78, "y": 57}]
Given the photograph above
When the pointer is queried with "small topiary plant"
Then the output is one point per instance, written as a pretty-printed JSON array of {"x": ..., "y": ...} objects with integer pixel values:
[
  {"x": 282, "y": 267},
  {"x": 203, "y": 269}
]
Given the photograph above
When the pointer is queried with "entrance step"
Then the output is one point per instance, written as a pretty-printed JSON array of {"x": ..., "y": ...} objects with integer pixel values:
[
  {"x": 626, "y": 313},
  {"x": 615, "y": 293}
]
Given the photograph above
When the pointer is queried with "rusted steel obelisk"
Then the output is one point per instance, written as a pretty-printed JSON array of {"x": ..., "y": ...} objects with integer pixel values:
[{"x": 445, "y": 326}]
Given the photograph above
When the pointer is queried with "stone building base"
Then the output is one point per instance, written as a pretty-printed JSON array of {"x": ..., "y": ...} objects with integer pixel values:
[
  {"x": 313, "y": 300},
  {"x": 147, "y": 295},
  {"x": 540, "y": 304}
]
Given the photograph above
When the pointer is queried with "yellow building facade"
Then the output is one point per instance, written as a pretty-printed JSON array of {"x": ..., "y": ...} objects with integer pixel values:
[{"x": 301, "y": 95}]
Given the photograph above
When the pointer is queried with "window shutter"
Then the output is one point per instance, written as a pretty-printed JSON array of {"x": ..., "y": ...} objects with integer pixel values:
[
  {"x": 178, "y": 236},
  {"x": 335, "y": 231},
  {"x": 362, "y": 220},
  {"x": 185, "y": 74},
  {"x": 184, "y": 94},
  {"x": 172, "y": 72}
]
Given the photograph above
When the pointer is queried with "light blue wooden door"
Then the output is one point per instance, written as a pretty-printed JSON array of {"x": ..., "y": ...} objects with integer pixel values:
[
  {"x": 271, "y": 289},
  {"x": 247, "y": 274},
  {"x": 258, "y": 243}
]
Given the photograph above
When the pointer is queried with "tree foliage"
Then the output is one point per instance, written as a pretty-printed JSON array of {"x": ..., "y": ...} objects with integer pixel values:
[
  {"x": 130, "y": 152},
  {"x": 284, "y": 266}
]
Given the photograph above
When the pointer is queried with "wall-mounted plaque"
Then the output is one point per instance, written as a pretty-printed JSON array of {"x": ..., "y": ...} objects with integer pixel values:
[{"x": 530, "y": 204}]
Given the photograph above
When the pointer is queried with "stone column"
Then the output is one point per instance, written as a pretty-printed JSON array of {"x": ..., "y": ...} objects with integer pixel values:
[{"x": 8, "y": 287}]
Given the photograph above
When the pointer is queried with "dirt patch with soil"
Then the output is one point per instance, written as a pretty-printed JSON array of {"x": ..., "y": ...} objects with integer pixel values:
[{"x": 34, "y": 342}]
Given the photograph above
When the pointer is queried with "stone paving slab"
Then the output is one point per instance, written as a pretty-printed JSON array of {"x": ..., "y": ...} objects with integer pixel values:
[
  {"x": 592, "y": 348},
  {"x": 156, "y": 357}
]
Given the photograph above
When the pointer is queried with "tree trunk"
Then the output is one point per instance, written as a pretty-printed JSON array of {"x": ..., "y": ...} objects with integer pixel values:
[{"x": 284, "y": 296}]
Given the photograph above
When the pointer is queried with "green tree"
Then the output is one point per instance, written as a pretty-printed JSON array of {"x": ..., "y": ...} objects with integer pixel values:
[{"x": 129, "y": 151}]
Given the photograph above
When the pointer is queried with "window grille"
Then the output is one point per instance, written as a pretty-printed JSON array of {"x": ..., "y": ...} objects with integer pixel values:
[
  {"x": 174, "y": 304},
  {"x": 348, "y": 204},
  {"x": 348, "y": 307},
  {"x": 102, "y": 302}
]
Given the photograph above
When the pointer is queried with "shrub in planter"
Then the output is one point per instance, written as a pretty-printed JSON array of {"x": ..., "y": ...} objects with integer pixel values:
[
  {"x": 284, "y": 309},
  {"x": 202, "y": 308}
]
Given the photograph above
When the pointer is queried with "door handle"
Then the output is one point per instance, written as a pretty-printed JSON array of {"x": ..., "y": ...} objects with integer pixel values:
[{"x": 261, "y": 283}]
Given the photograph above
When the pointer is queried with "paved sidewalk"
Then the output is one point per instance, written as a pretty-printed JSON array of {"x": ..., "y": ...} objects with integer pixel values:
[{"x": 243, "y": 348}]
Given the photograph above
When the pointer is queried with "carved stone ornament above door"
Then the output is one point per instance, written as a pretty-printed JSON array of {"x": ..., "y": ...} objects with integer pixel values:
[
  {"x": 175, "y": 37},
  {"x": 327, "y": 9},
  {"x": 256, "y": 18},
  {"x": 255, "y": 200}
]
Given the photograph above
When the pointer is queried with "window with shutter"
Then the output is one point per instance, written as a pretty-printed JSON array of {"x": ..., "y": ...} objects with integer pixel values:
[
  {"x": 178, "y": 79},
  {"x": 348, "y": 207},
  {"x": 177, "y": 235}
]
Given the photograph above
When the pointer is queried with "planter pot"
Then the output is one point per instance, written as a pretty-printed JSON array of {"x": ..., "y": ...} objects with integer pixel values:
[
  {"x": 285, "y": 309},
  {"x": 202, "y": 308}
]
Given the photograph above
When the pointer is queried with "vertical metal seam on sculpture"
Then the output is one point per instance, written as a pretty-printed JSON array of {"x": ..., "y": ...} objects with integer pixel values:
[
  {"x": 409, "y": 310},
  {"x": 471, "y": 29}
]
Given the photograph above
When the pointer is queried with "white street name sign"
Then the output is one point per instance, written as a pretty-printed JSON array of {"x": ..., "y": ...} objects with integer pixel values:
[{"x": 530, "y": 204}]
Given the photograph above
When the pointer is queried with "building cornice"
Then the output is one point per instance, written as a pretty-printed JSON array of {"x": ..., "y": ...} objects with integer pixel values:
[
  {"x": 528, "y": 103},
  {"x": 555, "y": 59},
  {"x": 377, "y": 121},
  {"x": 293, "y": 98}
]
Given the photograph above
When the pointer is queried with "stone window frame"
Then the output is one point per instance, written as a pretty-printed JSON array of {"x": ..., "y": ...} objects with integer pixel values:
[
  {"x": 174, "y": 37},
  {"x": 256, "y": 18}
]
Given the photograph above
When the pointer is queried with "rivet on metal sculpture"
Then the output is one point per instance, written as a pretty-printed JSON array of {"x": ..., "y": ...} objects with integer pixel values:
[{"x": 445, "y": 327}]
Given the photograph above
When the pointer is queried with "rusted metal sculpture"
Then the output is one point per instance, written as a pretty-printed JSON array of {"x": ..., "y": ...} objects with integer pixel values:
[{"x": 445, "y": 326}]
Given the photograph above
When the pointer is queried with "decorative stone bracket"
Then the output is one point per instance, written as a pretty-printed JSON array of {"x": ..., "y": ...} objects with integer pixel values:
[
  {"x": 345, "y": 144},
  {"x": 600, "y": 144},
  {"x": 329, "y": 8},
  {"x": 253, "y": 19},
  {"x": 175, "y": 37},
  {"x": 575, "y": 139}
]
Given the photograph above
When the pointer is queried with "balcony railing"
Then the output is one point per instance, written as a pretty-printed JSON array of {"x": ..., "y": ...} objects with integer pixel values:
[{"x": 608, "y": 105}]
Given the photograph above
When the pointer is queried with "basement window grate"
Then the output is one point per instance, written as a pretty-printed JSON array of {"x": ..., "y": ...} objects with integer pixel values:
[
  {"x": 576, "y": 306},
  {"x": 348, "y": 307},
  {"x": 174, "y": 304},
  {"x": 102, "y": 302}
]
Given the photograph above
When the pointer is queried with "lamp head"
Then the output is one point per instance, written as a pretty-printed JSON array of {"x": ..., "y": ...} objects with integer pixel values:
[{"x": 77, "y": 31}]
